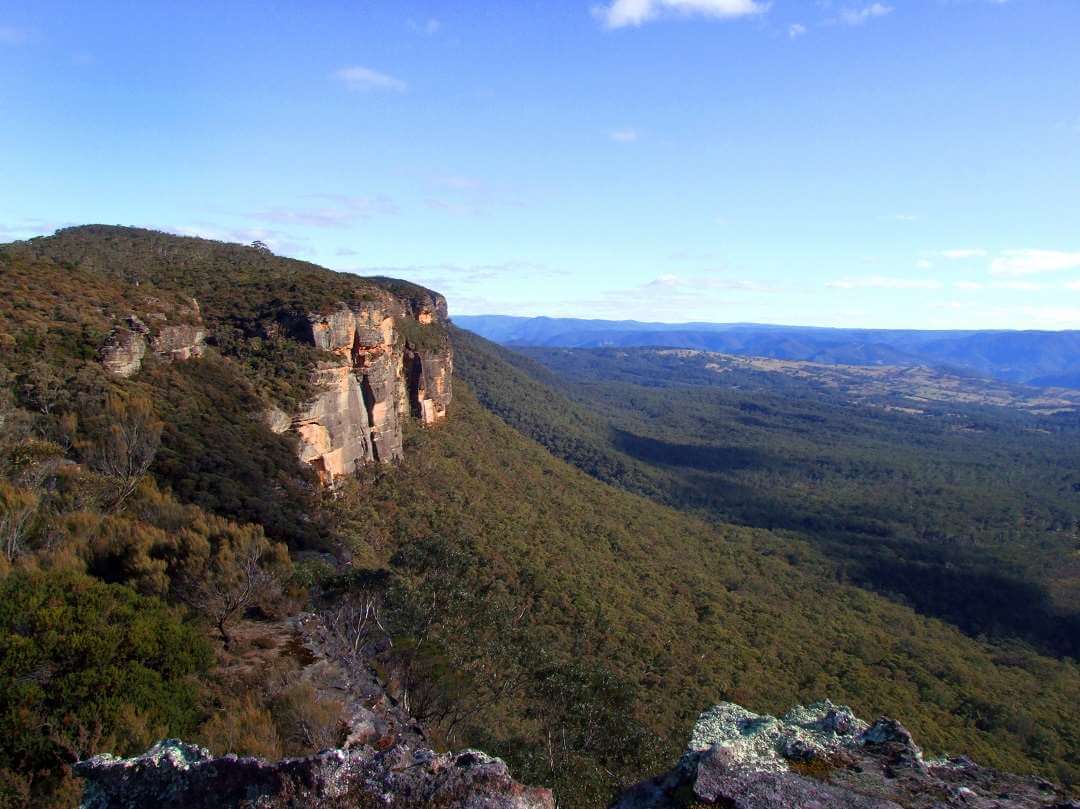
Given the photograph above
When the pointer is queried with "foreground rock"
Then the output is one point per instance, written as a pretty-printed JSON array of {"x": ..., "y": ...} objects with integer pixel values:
[
  {"x": 823, "y": 756},
  {"x": 174, "y": 775}
]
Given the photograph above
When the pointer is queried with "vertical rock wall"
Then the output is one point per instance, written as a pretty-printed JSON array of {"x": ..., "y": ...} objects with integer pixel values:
[{"x": 381, "y": 378}]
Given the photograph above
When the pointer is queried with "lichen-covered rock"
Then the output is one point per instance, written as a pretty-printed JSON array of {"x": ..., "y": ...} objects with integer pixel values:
[
  {"x": 174, "y": 775},
  {"x": 822, "y": 755}
]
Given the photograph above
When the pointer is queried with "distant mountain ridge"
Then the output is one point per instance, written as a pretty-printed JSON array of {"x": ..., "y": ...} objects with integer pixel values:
[{"x": 1039, "y": 358}]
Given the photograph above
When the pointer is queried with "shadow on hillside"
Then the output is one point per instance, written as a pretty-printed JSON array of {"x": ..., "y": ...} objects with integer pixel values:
[
  {"x": 978, "y": 602},
  {"x": 960, "y": 588},
  {"x": 690, "y": 456}
]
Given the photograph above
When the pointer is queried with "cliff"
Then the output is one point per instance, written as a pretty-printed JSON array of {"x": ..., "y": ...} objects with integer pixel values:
[
  {"x": 128, "y": 342},
  {"x": 823, "y": 755},
  {"x": 393, "y": 361},
  {"x": 382, "y": 347},
  {"x": 388, "y": 358}
]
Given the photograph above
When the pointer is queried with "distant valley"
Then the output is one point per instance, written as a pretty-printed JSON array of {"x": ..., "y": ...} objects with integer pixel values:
[{"x": 1039, "y": 358}]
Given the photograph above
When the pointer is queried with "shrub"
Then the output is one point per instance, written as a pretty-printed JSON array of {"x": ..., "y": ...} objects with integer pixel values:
[{"x": 87, "y": 667}]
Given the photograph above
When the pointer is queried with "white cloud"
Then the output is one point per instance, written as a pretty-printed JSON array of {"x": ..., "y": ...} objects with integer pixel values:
[
  {"x": 857, "y": 16},
  {"x": 885, "y": 282},
  {"x": 968, "y": 285},
  {"x": 1032, "y": 262},
  {"x": 900, "y": 217},
  {"x": 924, "y": 264},
  {"x": 796, "y": 30},
  {"x": 1073, "y": 285},
  {"x": 623, "y": 13},
  {"x": 364, "y": 79},
  {"x": 964, "y": 253},
  {"x": 624, "y": 135}
]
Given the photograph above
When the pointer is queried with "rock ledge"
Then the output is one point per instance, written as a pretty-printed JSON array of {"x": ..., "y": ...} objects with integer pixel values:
[{"x": 173, "y": 774}]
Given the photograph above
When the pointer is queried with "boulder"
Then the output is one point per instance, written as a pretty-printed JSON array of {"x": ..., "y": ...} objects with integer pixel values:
[{"x": 821, "y": 756}]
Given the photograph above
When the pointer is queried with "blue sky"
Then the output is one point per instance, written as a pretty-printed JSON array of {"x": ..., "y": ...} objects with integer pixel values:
[{"x": 900, "y": 164}]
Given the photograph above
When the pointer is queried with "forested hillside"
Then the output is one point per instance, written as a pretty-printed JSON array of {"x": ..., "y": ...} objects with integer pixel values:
[
  {"x": 965, "y": 511},
  {"x": 157, "y": 532}
]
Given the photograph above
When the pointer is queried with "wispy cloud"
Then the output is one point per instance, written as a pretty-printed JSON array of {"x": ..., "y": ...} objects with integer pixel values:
[
  {"x": 279, "y": 242},
  {"x": 365, "y": 79},
  {"x": 27, "y": 228},
  {"x": 624, "y": 13},
  {"x": 1033, "y": 262},
  {"x": 899, "y": 217},
  {"x": 1050, "y": 317},
  {"x": 885, "y": 282},
  {"x": 697, "y": 284},
  {"x": 624, "y": 135},
  {"x": 337, "y": 211},
  {"x": 858, "y": 16},
  {"x": 796, "y": 30},
  {"x": 959, "y": 254},
  {"x": 1019, "y": 286},
  {"x": 459, "y": 182},
  {"x": 462, "y": 281},
  {"x": 428, "y": 27},
  {"x": 10, "y": 35},
  {"x": 463, "y": 195}
]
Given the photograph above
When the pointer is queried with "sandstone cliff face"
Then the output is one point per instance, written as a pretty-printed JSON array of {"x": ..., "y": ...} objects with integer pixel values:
[
  {"x": 822, "y": 756},
  {"x": 394, "y": 362},
  {"x": 129, "y": 342}
]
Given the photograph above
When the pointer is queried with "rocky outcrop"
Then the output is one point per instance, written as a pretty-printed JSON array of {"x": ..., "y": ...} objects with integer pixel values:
[
  {"x": 174, "y": 775},
  {"x": 824, "y": 756},
  {"x": 128, "y": 343},
  {"x": 394, "y": 362}
]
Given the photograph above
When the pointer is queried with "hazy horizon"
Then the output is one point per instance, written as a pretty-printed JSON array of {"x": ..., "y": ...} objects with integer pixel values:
[{"x": 734, "y": 323}]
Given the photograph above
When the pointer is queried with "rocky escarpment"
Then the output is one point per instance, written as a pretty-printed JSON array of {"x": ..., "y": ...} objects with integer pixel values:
[
  {"x": 387, "y": 358},
  {"x": 174, "y": 775},
  {"x": 824, "y": 756},
  {"x": 179, "y": 338},
  {"x": 394, "y": 361}
]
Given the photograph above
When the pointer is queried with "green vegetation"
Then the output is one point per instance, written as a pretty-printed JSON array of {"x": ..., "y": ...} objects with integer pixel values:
[
  {"x": 86, "y": 666},
  {"x": 568, "y": 624},
  {"x": 636, "y": 613},
  {"x": 967, "y": 512},
  {"x": 252, "y": 302}
]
